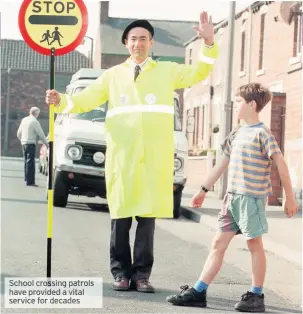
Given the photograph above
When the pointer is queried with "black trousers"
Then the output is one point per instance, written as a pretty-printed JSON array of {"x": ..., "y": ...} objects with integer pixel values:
[
  {"x": 29, "y": 152},
  {"x": 120, "y": 252}
]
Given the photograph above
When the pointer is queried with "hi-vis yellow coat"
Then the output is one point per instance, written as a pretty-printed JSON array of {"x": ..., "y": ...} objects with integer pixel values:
[{"x": 139, "y": 164}]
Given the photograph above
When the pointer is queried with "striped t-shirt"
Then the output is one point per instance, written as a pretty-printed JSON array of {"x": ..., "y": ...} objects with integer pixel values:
[{"x": 250, "y": 150}]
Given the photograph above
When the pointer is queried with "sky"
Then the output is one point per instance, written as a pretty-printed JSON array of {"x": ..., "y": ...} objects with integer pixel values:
[{"x": 188, "y": 10}]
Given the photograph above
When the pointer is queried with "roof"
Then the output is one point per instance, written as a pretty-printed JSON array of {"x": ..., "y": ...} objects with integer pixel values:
[
  {"x": 169, "y": 36},
  {"x": 16, "y": 54}
]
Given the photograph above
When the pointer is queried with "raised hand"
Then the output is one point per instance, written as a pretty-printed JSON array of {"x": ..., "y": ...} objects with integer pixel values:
[{"x": 206, "y": 28}]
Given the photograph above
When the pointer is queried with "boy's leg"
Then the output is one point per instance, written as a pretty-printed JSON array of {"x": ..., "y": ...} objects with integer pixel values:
[
  {"x": 215, "y": 258},
  {"x": 253, "y": 224},
  {"x": 258, "y": 261},
  {"x": 196, "y": 296}
]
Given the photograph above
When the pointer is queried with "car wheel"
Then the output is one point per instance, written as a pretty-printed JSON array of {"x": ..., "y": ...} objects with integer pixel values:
[
  {"x": 60, "y": 190},
  {"x": 177, "y": 203}
]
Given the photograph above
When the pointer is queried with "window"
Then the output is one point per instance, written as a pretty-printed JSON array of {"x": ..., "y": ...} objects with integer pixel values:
[
  {"x": 243, "y": 38},
  {"x": 178, "y": 122},
  {"x": 219, "y": 63},
  {"x": 197, "y": 125},
  {"x": 261, "y": 49},
  {"x": 78, "y": 89},
  {"x": 190, "y": 61},
  {"x": 190, "y": 121},
  {"x": 297, "y": 43},
  {"x": 203, "y": 117}
]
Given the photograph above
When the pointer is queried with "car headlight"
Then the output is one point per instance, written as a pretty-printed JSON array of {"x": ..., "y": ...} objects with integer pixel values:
[
  {"x": 74, "y": 152},
  {"x": 178, "y": 164}
]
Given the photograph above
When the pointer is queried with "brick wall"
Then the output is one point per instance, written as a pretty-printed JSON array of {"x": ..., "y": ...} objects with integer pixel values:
[
  {"x": 281, "y": 71},
  {"x": 27, "y": 89},
  {"x": 108, "y": 60}
]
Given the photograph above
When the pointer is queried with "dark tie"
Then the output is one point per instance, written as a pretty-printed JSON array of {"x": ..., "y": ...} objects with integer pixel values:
[{"x": 137, "y": 71}]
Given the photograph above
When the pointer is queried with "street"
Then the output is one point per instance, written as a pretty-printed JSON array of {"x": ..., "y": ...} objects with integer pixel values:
[{"x": 81, "y": 248}]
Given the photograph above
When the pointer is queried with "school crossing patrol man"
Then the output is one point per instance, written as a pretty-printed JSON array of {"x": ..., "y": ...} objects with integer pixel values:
[{"x": 140, "y": 142}]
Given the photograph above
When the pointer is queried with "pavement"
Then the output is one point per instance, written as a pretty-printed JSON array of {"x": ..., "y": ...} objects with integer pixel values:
[{"x": 81, "y": 248}]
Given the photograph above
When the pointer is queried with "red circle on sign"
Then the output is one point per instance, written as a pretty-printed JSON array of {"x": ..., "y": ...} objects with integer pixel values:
[{"x": 60, "y": 51}]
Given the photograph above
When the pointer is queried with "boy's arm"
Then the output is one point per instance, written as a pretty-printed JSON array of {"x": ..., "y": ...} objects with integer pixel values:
[
  {"x": 210, "y": 181},
  {"x": 216, "y": 172},
  {"x": 284, "y": 174},
  {"x": 273, "y": 152},
  {"x": 291, "y": 206}
]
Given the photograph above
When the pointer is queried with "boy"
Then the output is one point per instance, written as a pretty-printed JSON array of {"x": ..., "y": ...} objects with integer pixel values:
[{"x": 248, "y": 154}]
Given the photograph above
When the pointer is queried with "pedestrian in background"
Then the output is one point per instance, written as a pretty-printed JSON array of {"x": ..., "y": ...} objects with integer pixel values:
[
  {"x": 139, "y": 164},
  {"x": 248, "y": 154},
  {"x": 29, "y": 132}
]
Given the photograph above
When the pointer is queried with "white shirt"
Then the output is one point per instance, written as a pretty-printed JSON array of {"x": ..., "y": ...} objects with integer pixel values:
[
  {"x": 30, "y": 131},
  {"x": 141, "y": 64}
]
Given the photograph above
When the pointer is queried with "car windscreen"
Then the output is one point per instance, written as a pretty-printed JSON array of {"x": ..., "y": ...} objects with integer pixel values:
[{"x": 97, "y": 114}]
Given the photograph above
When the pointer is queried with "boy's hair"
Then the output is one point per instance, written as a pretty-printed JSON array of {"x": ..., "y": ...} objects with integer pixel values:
[{"x": 255, "y": 92}]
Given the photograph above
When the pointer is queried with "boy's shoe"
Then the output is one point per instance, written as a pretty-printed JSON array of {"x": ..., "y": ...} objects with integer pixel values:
[
  {"x": 188, "y": 297},
  {"x": 251, "y": 302}
]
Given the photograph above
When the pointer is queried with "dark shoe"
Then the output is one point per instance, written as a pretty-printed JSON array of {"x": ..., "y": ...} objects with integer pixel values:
[
  {"x": 188, "y": 297},
  {"x": 121, "y": 284},
  {"x": 143, "y": 285},
  {"x": 32, "y": 184},
  {"x": 251, "y": 302}
]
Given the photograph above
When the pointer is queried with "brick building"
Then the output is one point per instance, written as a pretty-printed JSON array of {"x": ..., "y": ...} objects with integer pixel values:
[
  {"x": 268, "y": 50},
  {"x": 24, "y": 86}
]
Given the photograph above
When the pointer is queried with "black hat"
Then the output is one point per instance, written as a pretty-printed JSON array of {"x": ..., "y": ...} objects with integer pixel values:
[{"x": 138, "y": 23}]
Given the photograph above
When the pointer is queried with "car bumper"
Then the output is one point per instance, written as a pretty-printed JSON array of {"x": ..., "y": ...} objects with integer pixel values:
[{"x": 83, "y": 170}]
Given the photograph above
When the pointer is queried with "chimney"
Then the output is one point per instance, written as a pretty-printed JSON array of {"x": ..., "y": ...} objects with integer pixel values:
[{"x": 104, "y": 8}]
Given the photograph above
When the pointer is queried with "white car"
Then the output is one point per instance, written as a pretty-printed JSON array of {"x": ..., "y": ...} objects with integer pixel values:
[{"x": 43, "y": 159}]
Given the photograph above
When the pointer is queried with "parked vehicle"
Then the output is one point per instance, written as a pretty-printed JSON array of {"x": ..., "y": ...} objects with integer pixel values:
[
  {"x": 80, "y": 149},
  {"x": 43, "y": 159}
]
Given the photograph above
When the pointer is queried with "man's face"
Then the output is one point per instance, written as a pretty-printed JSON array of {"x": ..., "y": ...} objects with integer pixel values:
[{"x": 138, "y": 43}]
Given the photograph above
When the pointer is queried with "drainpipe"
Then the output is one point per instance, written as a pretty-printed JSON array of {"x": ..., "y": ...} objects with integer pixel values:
[
  {"x": 249, "y": 45},
  {"x": 225, "y": 126},
  {"x": 210, "y": 113}
]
